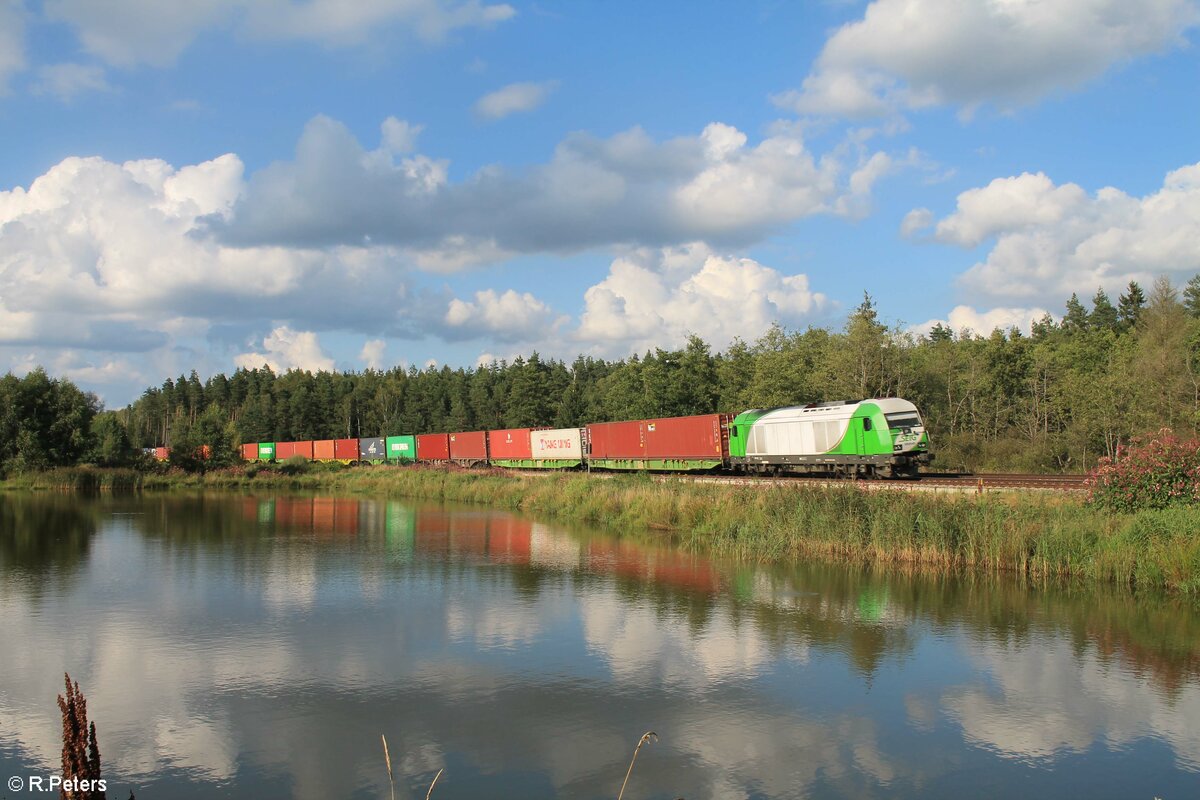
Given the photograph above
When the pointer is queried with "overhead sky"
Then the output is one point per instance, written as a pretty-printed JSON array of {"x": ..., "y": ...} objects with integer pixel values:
[{"x": 327, "y": 184}]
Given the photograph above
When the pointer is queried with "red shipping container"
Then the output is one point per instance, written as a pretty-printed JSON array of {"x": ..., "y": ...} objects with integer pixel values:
[
  {"x": 696, "y": 437},
  {"x": 303, "y": 449},
  {"x": 323, "y": 450},
  {"x": 433, "y": 447},
  {"x": 682, "y": 438},
  {"x": 470, "y": 447},
  {"x": 162, "y": 453},
  {"x": 345, "y": 449},
  {"x": 284, "y": 450},
  {"x": 250, "y": 452},
  {"x": 512, "y": 443},
  {"x": 616, "y": 440}
]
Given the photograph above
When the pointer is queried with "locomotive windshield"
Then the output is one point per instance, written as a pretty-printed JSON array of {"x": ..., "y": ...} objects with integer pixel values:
[{"x": 904, "y": 421}]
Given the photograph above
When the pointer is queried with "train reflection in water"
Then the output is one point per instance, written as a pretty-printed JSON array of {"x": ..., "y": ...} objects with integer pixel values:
[{"x": 486, "y": 535}]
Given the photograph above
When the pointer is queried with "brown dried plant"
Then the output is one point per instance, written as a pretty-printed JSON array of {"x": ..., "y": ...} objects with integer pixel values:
[{"x": 80, "y": 753}]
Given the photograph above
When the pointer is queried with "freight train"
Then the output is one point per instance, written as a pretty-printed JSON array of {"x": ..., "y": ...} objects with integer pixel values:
[{"x": 878, "y": 438}]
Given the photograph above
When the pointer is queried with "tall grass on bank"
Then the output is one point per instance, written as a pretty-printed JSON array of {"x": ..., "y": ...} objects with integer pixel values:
[
  {"x": 1039, "y": 536},
  {"x": 86, "y": 480}
]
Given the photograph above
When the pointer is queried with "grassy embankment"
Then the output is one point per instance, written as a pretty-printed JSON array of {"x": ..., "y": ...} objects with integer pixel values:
[{"x": 1043, "y": 536}]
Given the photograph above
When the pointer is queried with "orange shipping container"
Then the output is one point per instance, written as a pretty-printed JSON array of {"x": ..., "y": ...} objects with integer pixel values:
[
  {"x": 345, "y": 449},
  {"x": 250, "y": 452},
  {"x": 323, "y": 450}
]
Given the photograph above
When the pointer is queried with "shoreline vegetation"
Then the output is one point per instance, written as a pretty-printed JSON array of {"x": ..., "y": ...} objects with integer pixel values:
[{"x": 1043, "y": 537}]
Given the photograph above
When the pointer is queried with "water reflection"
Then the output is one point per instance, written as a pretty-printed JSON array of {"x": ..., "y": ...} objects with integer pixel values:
[
  {"x": 42, "y": 537},
  {"x": 258, "y": 646}
]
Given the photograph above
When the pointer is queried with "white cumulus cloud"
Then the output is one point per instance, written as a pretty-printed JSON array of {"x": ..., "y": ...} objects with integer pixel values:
[
  {"x": 372, "y": 353},
  {"x": 624, "y": 190},
  {"x": 507, "y": 316},
  {"x": 909, "y": 54},
  {"x": 657, "y": 298},
  {"x": 1051, "y": 240},
  {"x": 400, "y": 137},
  {"x": 968, "y": 320},
  {"x": 915, "y": 221},
  {"x": 284, "y": 349},
  {"x": 514, "y": 98}
]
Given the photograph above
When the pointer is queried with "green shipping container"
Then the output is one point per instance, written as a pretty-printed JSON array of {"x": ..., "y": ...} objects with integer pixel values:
[
  {"x": 402, "y": 449},
  {"x": 266, "y": 451}
]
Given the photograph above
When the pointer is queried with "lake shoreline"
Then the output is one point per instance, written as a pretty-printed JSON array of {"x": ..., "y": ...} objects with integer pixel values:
[{"x": 1039, "y": 536}]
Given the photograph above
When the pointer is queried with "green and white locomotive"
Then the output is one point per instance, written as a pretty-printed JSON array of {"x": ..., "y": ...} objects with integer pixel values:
[{"x": 882, "y": 438}]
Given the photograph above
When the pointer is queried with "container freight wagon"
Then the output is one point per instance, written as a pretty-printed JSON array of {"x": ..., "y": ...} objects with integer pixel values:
[
  {"x": 250, "y": 452},
  {"x": 510, "y": 447},
  {"x": 433, "y": 447},
  {"x": 401, "y": 449},
  {"x": 469, "y": 448},
  {"x": 870, "y": 438},
  {"x": 371, "y": 451},
  {"x": 670, "y": 443},
  {"x": 324, "y": 450},
  {"x": 561, "y": 448},
  {"x": 286, "y": 450},
  {"x": 345, "y": 450}
]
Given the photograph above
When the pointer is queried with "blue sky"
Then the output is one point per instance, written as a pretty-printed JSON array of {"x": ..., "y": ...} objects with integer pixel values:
[{"x": 321, "y": 184}]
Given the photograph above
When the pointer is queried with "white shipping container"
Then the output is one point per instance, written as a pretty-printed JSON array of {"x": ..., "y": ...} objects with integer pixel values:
[{"x": 558, "y": 444}]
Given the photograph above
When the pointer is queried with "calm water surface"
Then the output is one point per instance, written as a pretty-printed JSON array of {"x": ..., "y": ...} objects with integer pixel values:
[{"x": 258, "y": 647}]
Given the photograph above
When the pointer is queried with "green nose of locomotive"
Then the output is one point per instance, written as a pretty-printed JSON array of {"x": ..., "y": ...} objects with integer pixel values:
[{"x": 908, "y": 431}]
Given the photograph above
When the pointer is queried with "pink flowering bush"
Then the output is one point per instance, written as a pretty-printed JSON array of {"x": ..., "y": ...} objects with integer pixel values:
[{"x": 1156, "y": 471}]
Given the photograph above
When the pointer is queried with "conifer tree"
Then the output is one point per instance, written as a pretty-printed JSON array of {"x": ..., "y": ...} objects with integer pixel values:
[
  {"x": 1130, "y": 305},
  {"x": 1076, "y": 318},
  {"x": 1104, "y": 313},
  {"x": 1191, "y": 296}
]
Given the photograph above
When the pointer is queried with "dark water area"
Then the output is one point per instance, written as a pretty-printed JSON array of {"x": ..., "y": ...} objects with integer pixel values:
[{"x": 257, "y": 647}]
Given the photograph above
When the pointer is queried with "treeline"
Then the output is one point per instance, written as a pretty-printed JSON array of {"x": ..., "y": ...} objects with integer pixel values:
[{"x": 1055, "y": 398}]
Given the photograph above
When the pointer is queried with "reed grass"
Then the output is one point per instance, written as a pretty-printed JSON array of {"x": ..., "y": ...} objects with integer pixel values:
[{"x": 85, "y": 480}]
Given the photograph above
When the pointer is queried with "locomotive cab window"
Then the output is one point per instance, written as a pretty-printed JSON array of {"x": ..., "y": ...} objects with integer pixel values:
[
  {"x": 866, "y": 423},
  {"x": 903, "y": 421}
]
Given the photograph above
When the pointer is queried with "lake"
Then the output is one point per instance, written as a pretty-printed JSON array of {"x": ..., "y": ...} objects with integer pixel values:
[{"x": 234, "y": 646}]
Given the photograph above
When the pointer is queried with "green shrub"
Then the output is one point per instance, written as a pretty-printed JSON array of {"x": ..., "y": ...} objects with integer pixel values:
[{"x": 296, "y": 465}]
